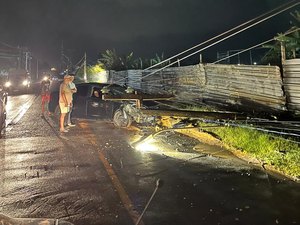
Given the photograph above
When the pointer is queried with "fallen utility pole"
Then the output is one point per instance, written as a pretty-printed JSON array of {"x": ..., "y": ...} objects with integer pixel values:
[{"x": 195, "y": 114}]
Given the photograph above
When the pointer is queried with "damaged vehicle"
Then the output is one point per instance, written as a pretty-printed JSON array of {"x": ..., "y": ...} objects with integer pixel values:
[
  {"x": 88, "y": 102},
  {"x": 107, "y": 101}
]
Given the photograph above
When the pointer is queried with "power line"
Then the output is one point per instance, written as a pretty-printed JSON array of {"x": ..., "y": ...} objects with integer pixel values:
[
  {"x": 8, "y": 45},
  {"x": 264, "y": 17},
  {"x": 269, "y": 131},
  {"x": 80, "y": 61},
  {"x": 254, "y": 46},
  {"x": 242, "y": 51},
  {"x": 224, "y": 33},
  {"x": 223, "y": 39}
]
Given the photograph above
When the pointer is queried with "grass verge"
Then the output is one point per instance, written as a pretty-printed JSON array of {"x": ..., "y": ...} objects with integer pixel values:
[{"x": 281, "y": 154}]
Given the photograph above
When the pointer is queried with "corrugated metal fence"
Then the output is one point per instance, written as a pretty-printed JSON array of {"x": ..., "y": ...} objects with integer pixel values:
[
  {"x": 255, "y": 88},
  {"x": 241, "y": 87},
  {"x": 291, "y": 74},
  {"x": 132, "y": 78},
  {"x": 185, "y": 82}
]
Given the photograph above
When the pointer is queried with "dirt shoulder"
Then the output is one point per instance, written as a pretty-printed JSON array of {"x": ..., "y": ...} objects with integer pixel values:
[{"x": 211, "y": 140}]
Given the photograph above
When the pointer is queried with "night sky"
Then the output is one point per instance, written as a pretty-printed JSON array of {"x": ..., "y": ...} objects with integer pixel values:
[{"x": 142, "y": 26}]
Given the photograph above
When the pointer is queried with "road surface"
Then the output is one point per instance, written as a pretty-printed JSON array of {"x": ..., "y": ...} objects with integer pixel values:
[{"x": 93, "y": 175}]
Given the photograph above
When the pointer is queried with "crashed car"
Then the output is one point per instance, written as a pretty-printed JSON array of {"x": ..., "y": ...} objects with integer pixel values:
[{"x": 88, "y": 102}]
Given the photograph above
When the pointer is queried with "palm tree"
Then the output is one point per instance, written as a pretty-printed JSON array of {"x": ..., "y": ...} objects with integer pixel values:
[
  {"x": 145, "y": 63},
  {"x": 112, "y": 61},
  {"x": 128, "y": 62},
  {"x": 291, "y": 43}
]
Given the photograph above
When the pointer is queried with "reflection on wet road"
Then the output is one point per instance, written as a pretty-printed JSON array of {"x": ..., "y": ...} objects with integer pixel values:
[{"x": 17, "y": 106}]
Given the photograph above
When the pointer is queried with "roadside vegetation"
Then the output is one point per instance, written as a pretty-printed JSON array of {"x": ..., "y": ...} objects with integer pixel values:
[
  {"x": 95, "y": 73},
  {"x": 114, "y": 61},
  {"x": 276, "y": 152},
  {"x": 290, "y": 42},
  {"x": 273, "y": 152}
]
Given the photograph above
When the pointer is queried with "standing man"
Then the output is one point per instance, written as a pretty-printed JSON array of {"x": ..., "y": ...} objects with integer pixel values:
[
  {"x": 73, "y": 89},
  {"x": 65, "y": 100},
  {"x": 45, "y": 93}
]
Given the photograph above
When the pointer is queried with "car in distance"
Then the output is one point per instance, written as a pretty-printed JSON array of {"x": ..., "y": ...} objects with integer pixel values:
[{"x": 18, "y": 81}]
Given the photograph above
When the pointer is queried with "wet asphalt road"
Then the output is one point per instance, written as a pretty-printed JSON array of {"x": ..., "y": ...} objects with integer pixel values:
[{"x": 92, "y": 175}]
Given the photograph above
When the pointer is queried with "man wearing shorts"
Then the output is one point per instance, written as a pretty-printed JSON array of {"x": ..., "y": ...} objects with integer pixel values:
[{"x": 65, "y": 101}]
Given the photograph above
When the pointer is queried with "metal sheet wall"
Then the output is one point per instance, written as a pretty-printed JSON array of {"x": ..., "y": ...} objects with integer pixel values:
[
  {"x": 252, "y": 88},
  {"x": 118, "y": 77},
  {"x": 134, "y": 79},
  {"x": 291, "y": 80},
  {"x": 131, "y": 78},
  {"x": 185, "y": 82},
  {"x": 256, "y": 88}
]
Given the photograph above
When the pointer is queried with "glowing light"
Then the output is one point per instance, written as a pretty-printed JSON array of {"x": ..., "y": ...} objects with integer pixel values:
[
  {"x": 7, "y": 84},
  {"x": 146, "y": 146},
  {"x": 25, "y": 82},
  {"x": 45, "y": 78}
]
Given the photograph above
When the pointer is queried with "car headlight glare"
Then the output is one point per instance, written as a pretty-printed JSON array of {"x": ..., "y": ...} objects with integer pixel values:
[
  {"x": 7, "y": 84},
  {"x": 25, "y": 82}
]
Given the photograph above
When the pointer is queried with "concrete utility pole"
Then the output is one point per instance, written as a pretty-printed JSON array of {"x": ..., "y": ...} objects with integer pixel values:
[
  {"x": 37, "y": 69},
  {"x": 26, "y": 60},
  {"x": 141, "y": 62},
  {"x": 62, "y": 56},
  {"x": 84, "y": 68},
  {"x": 283, "y": 54}
]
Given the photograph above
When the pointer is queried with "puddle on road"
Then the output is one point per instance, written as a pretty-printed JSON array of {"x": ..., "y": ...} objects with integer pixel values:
[{"x": 187, "y": 149}]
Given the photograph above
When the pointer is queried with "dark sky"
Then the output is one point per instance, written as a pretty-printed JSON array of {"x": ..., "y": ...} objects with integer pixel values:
[{"x": 145, "y": 27}]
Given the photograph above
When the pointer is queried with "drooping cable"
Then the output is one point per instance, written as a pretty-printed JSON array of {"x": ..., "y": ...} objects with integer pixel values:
[
  {"x": 261, "y": 18},
  {"x": 254, "y": 46},
  {"x": 240, "y": 52},
  {"x": 79, "y": 62},
  {"x": 223, "y": 39},
  {"x": 8, "y": 45},
  {"x": 262, "y": 129},
  {"x": 220, "y": 35}
]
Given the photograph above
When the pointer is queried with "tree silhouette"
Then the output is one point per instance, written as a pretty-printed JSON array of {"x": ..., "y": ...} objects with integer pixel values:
[{"x": 291, "y": 43}]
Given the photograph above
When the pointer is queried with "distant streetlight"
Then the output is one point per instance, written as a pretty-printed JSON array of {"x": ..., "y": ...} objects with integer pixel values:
[{"x": 53, "y": 69}]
